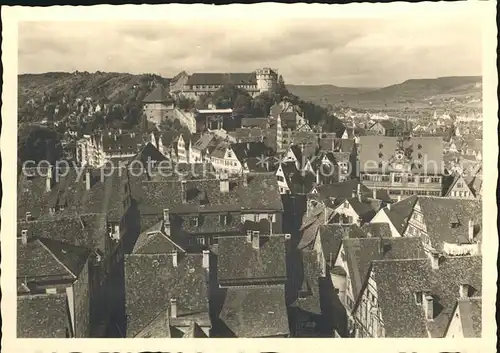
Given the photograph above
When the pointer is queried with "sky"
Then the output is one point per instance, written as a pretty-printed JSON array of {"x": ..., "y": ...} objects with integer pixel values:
[{"x": 352, "y": 53}]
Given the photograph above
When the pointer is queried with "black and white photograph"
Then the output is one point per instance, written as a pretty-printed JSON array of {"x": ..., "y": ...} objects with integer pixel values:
[{"x": 251, "y": 177}]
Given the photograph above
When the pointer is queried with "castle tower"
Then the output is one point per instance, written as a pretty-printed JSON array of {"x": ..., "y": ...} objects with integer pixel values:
[{"x": 267, "y": 79}]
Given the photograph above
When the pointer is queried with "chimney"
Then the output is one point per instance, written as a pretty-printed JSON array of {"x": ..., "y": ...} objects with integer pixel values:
[
  {"x": 224, "y": 183},
  {"x": 256, "y": 239},
  {"x": 249, "y": 236},
  {"x": 388, "y": 207},
  {"x": 183, "y": 191},
  {"x": 399, "y": 198},
  {"x": 325, "y": 213},
  {"x": 374, "y": 196},
  {"x": 429, "y": 307},
  {"x": 24, "y": 236},
  {"x": 464, "y": 291},
  {"x": 166, "y": 216},
  {"x": 174, "y": 258},
  {"x": 206, "y": 258},
  {"x": 358, "y": 189},
  {"x": 173, "y": 308},
  {"x": 48, "y": 180},
  {"x": 471, "y": 231},
  {"x": 28, "y": 216},
  {"x": 245, "y": 180},
  {"x": 87, "y": 180}
]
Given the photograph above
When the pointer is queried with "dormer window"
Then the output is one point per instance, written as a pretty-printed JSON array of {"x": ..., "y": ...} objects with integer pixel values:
[{"x": 454, "y": 222}]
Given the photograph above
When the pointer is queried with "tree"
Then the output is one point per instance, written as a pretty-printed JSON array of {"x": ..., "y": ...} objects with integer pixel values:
[
  {"x": 37, "y": 143},
  {"x": 186, "y": 103}
]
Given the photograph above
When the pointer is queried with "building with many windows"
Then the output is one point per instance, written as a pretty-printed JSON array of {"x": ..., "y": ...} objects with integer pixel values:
[{"x": 403, "y": 166}]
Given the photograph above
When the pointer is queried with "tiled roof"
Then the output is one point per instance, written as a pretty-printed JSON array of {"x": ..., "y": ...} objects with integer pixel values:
[
  {"x": 309, "y": 279},
  {"x": 342, "y": 190},
  {"x": 438, "y": 214},
  {"x": 380, "y": 230},
  {"x": 159, "y": 327},
  {"x": 360, "y": 252},
  {"x": 381, "y": 149},
  {"x": 400, "y": 212},
  {"x": 239, "y": 262},
  {"x": 152, "y": 280},
  {"x": 246, "y": 150},
  {"x": 105, "y": 194},
  {"x": 203, "y": 141},
  {"x": 122, "y": 143},
  {"x": 86, "y": 230},
  {"x": 471, "y": 316},
  {"x": 222, "y": 79},
  {"x": 155, "y": 241},
  {"x": 310, "y": 226},
  {"x": 331, "y": 236},
  {"x": 256, "y": 311},
  {"x": 158, "y": 95},
  {"x": 42, "y": 316},
  {"x": 397, "y": 281},
  {"x": 255, "y": 122},
  {"x": 261, "y": 193}
]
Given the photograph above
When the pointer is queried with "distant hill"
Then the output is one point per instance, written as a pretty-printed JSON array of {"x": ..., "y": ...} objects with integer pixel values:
[
  {"x": 109, "y": 86},
  {"x": 411, "y": 91},
  {"x": 322, "y": 93},
  {"x": 39, "y": 95}
]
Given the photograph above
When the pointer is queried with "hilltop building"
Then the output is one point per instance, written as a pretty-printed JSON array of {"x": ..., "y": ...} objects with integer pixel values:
[{"x": 199, "y": 84}]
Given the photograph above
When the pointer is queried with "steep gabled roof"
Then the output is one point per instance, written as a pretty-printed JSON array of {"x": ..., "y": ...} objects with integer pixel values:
[
  {"x": 158, "y": 95},
  {"x": 256, "y": 311},
  {"x": 398, "y": 280},
  {"x": 440, "y": 212},
  {"x": 151, "y": 280},
  {"x": 361, "y": 252},
  {"x": 239, "y": 262}
]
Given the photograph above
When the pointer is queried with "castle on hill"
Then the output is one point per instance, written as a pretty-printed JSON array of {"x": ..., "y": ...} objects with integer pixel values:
[{"x": 199, "y": 84}]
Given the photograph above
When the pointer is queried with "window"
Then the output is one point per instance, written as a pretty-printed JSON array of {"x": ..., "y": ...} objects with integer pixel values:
[
  {"x": 460, "y": 185},
  {"x": 51, "y": 290},
  {"x": 193, "y": 221},
  {"x": 380, "y": 164},
  {"x": 411, "y": 179},
  {"x": 200, "y": 240},
  {"x": 224, "y": 219},
  {"x": 397, "y": 179}
]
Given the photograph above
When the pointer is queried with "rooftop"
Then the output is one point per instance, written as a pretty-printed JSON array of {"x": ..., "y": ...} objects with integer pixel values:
[
  {"x": 256, "y": 311},
  {"x": 151, "y": 280},
  {"x": 240, "y": 263},
  {"x": 397, "y": 281}
]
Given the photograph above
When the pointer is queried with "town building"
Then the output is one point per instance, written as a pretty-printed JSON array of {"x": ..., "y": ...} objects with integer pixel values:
[
  {"x": 427, "y": 291},
  {"x": 201, "y": 84},
  {"x": 449, "y": 226},
  {"x": 96, "y": 150},
  {"x": 251, "y": 270},
  {"x": 403, "y": 166}
]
